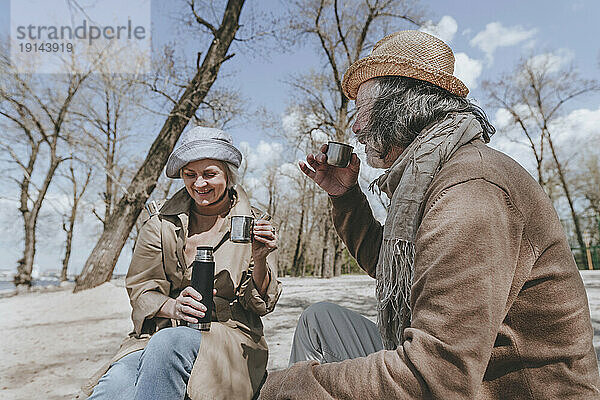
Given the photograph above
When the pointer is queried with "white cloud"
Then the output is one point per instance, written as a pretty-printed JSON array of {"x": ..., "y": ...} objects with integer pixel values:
[
  {"x": 263, "y": 155},
  {"x": 577, "y": 5},
  {"x": 543, "y": 64},
  {"x": 290, "y": 121},
  {"x": 445, "y": 29},
  {"x": 268, "y": 150},
  {"x": 495, "y": 35},
  {"x": 467, "y": 69},
  {"x": 519, "y": 150},
  {"x": 502, "y": 119},
  {"x": 577, "y": 129},
  {"x": 530, "y": 45},
  {"x": 262, "y": 160},
  {"x": 551, "y": 62}
]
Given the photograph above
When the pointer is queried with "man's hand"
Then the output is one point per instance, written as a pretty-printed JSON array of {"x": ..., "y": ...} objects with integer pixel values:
[
  {"x": 296, "y": 379},
  {"x": 334, "y": 180}
]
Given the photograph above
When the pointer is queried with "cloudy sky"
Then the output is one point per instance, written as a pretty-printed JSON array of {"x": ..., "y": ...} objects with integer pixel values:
[{"x": 487, "y": 36}]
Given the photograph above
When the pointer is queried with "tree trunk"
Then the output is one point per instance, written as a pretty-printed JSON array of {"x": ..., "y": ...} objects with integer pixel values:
[
  {"x": 303, "y": 263},
  {"x": 337, "y": 246},
  {"x": 101, "y": 262},
  {"x": 271, "y": 191},
  {"x": 296, "y": 259},
  {"x": 337, "y": 255},
  {"x": 25, "y": 267},
  {"x": 68, "y": 244},
  {"x": 342, "y": 132},
  {"x": 108, "y": 195},
  {"x": 72, "y": 217},
  {"x": 326, "y": 265},
  {"x": 565, "y": 187}
]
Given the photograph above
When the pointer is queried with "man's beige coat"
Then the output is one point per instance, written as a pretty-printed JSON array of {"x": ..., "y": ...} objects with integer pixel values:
[{"x": 232, "y": 357}]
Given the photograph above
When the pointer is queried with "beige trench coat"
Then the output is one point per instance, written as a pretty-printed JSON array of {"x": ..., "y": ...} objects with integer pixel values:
[{"x": 232, "y": 358}]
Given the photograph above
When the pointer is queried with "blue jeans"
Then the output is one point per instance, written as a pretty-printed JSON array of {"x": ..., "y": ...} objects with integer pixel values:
[{"x": 160, "y": 371}]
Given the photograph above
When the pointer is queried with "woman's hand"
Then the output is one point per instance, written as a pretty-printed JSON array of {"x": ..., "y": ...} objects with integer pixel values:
[
  {"x": 265, "y": 240},
  {"x": 334, "y": 180},
  {"x": 187, "y": 306}
]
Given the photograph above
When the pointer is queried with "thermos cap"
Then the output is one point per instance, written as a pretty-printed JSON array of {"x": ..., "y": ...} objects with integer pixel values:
[{"x": 204, "y": 253}]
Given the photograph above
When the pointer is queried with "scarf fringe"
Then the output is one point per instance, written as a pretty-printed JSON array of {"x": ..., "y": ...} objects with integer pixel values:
[
  {"x": 374, "y": 187},
  {"x": 394, "y": 281}
]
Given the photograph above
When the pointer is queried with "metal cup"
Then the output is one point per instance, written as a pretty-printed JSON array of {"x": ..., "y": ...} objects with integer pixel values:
[
  {"x": 241, "y": 228},
  {"x": 338, "y": 154}
]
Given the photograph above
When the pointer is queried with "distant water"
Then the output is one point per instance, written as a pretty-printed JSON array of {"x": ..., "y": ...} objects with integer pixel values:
[{"x": 8, "y": 285}]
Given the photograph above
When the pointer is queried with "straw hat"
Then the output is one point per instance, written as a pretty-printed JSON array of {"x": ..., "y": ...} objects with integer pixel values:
[
  {"x": 413, "y": 54},
  {"x": 200, "y": 143}
]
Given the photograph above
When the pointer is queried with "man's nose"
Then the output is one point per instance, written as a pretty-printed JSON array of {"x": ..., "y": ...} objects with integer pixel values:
[{"x": 359, "y": 137}]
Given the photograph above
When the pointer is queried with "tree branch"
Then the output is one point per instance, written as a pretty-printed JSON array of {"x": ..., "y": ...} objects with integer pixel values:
[
  {"x": 330, "y": 54},
  {"x": 339, "y": 29},
  {"x": 201, "y": 20}
]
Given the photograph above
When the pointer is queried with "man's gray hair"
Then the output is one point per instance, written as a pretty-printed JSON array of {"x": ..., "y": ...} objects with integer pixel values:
[{"x": 404, "y": 106}]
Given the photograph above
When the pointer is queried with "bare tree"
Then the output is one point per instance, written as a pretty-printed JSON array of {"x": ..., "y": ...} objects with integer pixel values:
[
  {"x": 36, "y": 109},
  {"x": 104, "y": 121},
  {"x": 587, "y": 188},
  {"x": 535, "y": 94},
  {"x": 590, "y": 182},
  {"x": 220, "y": 108},
  {"x": 341, "y": 34},
  {"x": 78, "y": 188},
  {"x": 101, "y": 262}
]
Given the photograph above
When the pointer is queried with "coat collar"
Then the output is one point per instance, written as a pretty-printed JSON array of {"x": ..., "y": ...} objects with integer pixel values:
[{"x": 180, "y": 203}]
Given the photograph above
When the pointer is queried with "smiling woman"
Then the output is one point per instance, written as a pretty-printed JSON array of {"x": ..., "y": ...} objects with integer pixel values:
[{"x": 165, "y": 355}]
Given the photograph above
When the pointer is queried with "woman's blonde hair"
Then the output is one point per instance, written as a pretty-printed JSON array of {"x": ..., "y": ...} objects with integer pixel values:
[{"x": 232, "y": 174}]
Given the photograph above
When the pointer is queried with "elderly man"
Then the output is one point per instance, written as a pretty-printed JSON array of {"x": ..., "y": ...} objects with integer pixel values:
[{"x": 478, "y": 294}]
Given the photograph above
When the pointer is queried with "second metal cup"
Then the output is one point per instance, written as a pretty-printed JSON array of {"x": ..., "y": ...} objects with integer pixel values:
[
  {"x": 241, "y": 228},
  {"x": 338, "y": 154}
]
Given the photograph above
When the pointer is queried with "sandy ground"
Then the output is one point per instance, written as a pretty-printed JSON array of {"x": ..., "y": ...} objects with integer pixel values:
[{"x": 51, "y": 342}]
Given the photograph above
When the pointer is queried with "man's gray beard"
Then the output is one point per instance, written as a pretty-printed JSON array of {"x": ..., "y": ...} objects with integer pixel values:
[
  {"x": 373, "y": 157},
  {"x": 374, "y": 162}
]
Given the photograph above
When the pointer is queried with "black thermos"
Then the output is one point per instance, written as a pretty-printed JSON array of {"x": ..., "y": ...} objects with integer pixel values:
[{"x": 203, "y": 280}]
